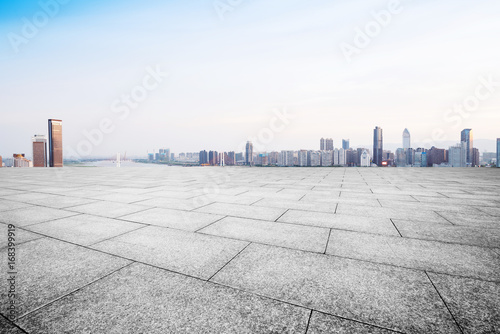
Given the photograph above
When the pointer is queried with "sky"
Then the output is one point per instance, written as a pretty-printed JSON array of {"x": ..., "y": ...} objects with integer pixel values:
[{"x": 135, "y": 76}]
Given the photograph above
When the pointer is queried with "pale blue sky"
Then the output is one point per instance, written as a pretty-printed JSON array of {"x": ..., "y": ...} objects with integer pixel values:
[{"x": 226, "y": 76}]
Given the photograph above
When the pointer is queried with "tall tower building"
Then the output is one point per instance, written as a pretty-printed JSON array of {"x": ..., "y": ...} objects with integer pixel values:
[
  {"x": 55, "y": 143},
  {"x": 378, "y": 146},
  {"x": 322, "y": 144},
  {"x": 498, "y": 152},
  {"x": 329, "y": 144},
  {"x": 406, "y": 139},
  {"x": 467, "y": 138},
  {"x": 249, "y": 153},
  {"x": 39, "y": 151},
  {"x": 345, "y": 144}
]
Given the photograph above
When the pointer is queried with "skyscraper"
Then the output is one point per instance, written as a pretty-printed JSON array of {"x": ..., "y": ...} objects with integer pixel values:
[
  {"x": 322, "y": 144},
  {"x": 39, "y": 151},
  {"x": 378, "y": 146},
  {"x": 249, "y": 153},
  {"x": 498, "y": 152},
  {"x": 55, "y": 143},
  {"x": 345, "y": 144},
  {"x": 467, "y": 138},
  {"x": 329, "y": 144},
  {"x": 406, "y": 139}
]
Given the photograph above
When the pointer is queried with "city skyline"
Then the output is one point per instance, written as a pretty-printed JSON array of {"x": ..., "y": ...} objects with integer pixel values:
[{"x": 220, "y": 80}]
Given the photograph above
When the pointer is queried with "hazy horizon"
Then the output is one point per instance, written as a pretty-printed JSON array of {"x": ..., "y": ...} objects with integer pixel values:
[{"x": 214, "y": 74}]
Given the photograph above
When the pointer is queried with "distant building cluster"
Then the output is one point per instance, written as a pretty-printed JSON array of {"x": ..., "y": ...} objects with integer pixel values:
[
  {"x": 461, "y": 155},
  {"x": 42, "y": 157}
]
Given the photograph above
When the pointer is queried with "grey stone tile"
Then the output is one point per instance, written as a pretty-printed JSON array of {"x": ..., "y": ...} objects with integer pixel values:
[
  {"x": 6, "y": 205},
  {"x": 108, "y": 209},
  {"x": 84, "y": 229},
  {"x": 338, "y": 221},
  {"x": 324, "y": 323},
  {"x": 493, "y": 211},
  {"x": 20, "y": 236},
  {"x": 151, "y": 300},
  {"x": 33, "y": 215},
  {"x": 485, "y": 237},
  {"x": 308, "y": 238},
  {"x": 28, "y": 197},
  {"x": 183, "y": 220},
  {"x": 475, "y": 304},
  {"x": 395, "y": 213},
  {"x": 173, "y": 203},
  {"x": 61, "y": 202},
  {"x": 172, "y": 194},
  {"x": 8, "y": 327},
  {"x": 48, "y": 269},
  {"x": 188, "y": 253},
  {"x": 298, "y": 205},
  {"x": 385, "y": 296},
  {"x": 435, "y": 256},
  {"x": 121, "y": 198},
  {"x": 479, "y": 219},
  {"x": 242, "y": 211},
  {"x": 4, "y": 192}
]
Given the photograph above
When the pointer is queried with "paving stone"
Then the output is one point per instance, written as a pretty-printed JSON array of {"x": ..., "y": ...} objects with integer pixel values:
[
  {"x": 298, "y": 205},
  {"x": 142, "y": 299},
  {"x": 312, "y": 239},
  {"x": 121, "y": 198},
  {"x": 6, "y": 205},
  {"x": 243, "y": 211},
  {"x": 479, "y": 219},
  {"x": 8, "y": 327},
  {"x": 183, "y": 220},
  {"x": 474, "y": 303},
  {"x": 485, "y": 237},
  {"x": 84, "y": 229},
  {"x": 173, "y": 203},
  {"x": 394, "y": 213},
  {"x": 61, "y": 202},
  {"x": 185, "y": 252},
  {"x": 323, "y": 323},
  {"x": 385, "y": 296},
  {"x": 33, "y": 215},
  {"x": 48, "y": 269},
  {"x": 20, "y": 236},
  {"x": 435, "y": 256},
  {"x": 108, "y": 209},
  {"x": 338, "y": 221}
]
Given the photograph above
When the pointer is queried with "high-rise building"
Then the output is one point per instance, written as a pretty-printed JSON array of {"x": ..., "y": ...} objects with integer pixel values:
[
  {"x": 21, "y": 161},
  {"x": 203, "y": 157},
  {"x": 326, "y": 158},
  {"x": 273, "y": 158},
  {"x": 475, "y": 157},
  {"x": 329, "y": 144},
  {"x": 1, "y": 162},
  {"x": 345, "y": 144},
  {"x": 498, "y": 152},
  {"x": 39, "y": 151},
  {"x": 322, "y": 144},
  {"x": 302, "y": 158},
  {"x": 457, "y": 155},
  {"x": 55, "y": 143},
  {"x": 378, "y": 146},
  {"x": 365, "y": 159},
  {"x": 467, "y": 138},
  {"x": 436, "y": 156},
  {"x": 249, "y": 153},
  {"x": 406, "y": 139},
  {"x": 313, "y": 158}
]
